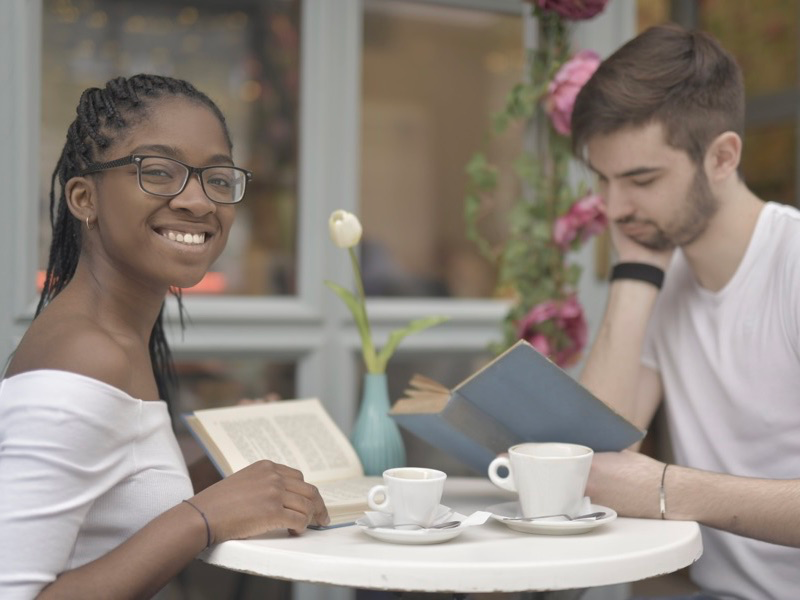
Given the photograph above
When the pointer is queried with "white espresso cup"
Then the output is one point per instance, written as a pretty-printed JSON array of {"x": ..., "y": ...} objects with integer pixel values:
[
  {"x": 550, "y": 478},
  {"x": 410, "y": 494}
]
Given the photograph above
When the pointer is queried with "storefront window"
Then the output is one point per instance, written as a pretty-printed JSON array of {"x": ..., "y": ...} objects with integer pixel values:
[{"x": 431, "y": 78}]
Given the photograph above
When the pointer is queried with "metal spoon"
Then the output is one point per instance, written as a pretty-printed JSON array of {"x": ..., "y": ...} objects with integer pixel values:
[
  {"x": 594, "y": 515},
  {"x": 413, "y": 526}
]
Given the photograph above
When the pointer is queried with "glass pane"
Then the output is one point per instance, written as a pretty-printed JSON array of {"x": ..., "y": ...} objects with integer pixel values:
[
  {"x": 432, "y": 76},
  {"x": 245, "y": 56},
  {"x": 651, "y": 12},
  {"x": 769, "y": 162},
  {"x": 762, "y": 34}
]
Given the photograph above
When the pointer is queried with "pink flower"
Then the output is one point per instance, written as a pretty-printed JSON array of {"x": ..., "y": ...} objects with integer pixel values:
[
  {"x": 585, "y": 218},
  {"x": 573, "y": 9},
  {"x": 567, "y": 316},
  {"x": 564, "y": 88}
]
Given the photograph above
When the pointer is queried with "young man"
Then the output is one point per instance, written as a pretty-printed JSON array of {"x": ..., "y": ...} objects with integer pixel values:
[{"x": 661, "y": 125}]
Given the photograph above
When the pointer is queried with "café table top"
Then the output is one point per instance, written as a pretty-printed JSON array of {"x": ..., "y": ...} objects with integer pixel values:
[{"x": 485, "y": 558}]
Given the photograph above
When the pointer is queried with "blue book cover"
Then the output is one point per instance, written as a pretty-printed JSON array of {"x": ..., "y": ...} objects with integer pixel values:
[{"x": 520, "y": 396}]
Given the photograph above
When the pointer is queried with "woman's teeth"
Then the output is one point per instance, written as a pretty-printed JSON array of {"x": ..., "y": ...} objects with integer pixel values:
[{"x": 190, "y": 239}]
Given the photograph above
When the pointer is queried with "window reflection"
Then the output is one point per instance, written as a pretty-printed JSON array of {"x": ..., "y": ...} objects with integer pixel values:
[
  {"x": 245, "y": 56},
  {"x": 431, "y": 77}
]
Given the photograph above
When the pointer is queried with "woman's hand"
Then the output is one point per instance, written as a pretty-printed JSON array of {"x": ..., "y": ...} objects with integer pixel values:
[{"x": 261, "y": 497}]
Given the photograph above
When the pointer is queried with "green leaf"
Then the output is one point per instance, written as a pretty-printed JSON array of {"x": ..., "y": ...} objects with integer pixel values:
[
  {"x": 396, "y": 336},
  {"x": 500, "y": 122},
  {"x": 573, "y": 274},
  {"x": 359, "y": 313},
  {"x": 482, "y": 174},
  {"x": 472, "y": 204}
]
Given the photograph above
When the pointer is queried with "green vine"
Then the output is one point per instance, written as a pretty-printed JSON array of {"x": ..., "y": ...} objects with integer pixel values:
[{"x": 532, "y": 266}]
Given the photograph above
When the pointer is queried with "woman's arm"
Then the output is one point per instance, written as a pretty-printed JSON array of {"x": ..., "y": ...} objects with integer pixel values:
[
  {"x": 262, "y": 497},
  {"x": 65, "y": 443}
]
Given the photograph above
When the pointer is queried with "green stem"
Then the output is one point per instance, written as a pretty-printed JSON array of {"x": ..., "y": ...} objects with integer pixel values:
[
  {"x": 357, "y": 271},
  {"x": 367, "y": 347}
]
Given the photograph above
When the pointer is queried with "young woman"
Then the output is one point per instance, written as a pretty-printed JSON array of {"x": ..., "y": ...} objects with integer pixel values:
[{"x": 95, "y": 499}]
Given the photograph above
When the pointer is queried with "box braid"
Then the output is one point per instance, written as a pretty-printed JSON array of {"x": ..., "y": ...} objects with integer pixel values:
[{"x": 102, "y": 115}]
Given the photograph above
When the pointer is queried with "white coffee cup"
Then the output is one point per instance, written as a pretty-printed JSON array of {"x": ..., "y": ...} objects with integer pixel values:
[
  {"x": 550, "y": 478},
  {"x": 410, "y": 494}
]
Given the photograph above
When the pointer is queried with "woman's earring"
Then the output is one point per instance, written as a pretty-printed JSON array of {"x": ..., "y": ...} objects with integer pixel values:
[{"x": 89, "y": 227}]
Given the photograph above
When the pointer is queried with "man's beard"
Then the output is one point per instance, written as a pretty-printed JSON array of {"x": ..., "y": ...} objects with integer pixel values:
[{"x": 691, "y": 221}]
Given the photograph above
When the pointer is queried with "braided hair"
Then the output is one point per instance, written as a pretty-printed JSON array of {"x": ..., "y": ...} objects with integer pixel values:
[{"x": 102, "y": 115}]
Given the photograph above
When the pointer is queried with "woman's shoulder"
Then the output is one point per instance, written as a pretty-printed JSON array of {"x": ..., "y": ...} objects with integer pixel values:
[
  {"x": 78, "y": 347},
  {"x": 59, "y": 384}
]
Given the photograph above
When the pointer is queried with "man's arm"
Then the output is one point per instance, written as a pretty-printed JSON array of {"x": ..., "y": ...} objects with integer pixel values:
[
  {"x": 613, "y": 371},
  {"x": 763, "y": 509}
]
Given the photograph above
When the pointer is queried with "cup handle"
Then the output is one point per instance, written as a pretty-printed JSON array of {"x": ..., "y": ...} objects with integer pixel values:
[
  {"x": 382, "y": 506},
  {"x": 504, "y": 483}
]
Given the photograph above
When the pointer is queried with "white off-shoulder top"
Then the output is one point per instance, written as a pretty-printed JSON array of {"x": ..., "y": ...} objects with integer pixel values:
[{"x": 83, "y": 466}]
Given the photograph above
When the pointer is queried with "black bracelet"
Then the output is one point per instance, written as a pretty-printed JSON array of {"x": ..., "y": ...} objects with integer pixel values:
[
  {"x": 638, "y": 271},
  {"x": 205, "y": 520}
]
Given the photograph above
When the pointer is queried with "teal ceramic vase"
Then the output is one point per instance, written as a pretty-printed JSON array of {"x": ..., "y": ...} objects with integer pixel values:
[{"x": 375, "y": 436}]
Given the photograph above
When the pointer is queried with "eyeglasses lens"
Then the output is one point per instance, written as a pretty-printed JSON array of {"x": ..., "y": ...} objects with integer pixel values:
[
  {"x": 166, "y": 177},
  {"x": 224, "y": 184}
]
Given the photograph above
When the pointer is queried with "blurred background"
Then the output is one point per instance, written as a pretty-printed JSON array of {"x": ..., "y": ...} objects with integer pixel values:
[{"x": 374, "y": 106}]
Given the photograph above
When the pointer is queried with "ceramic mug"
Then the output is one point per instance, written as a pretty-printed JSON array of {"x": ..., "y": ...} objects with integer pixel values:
[
  {"x": 550, "y": 478},
  {"x": 410, "y": 494}
]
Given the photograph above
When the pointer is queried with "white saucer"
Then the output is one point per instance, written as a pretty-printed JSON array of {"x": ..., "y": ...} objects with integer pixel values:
[
  {"x": 501, "y": 512},
  {"x": 410, "y": 536}
]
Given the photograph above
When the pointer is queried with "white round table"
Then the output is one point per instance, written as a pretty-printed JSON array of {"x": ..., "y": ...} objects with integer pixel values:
[{"x": 486, "y": 558}]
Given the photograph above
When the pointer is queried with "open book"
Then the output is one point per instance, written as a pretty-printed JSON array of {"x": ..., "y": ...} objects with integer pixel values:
[
  {"x": 520, "y": 396},
  {"x": 296, "y": 433}
]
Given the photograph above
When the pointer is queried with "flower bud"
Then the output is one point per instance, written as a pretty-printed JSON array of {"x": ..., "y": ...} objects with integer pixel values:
[{"x": 345, "y": 228}]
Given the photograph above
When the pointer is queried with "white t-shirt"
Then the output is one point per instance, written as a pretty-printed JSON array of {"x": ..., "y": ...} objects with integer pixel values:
[
  {"x": 83, "y": 466},
  {"x": 730, "y": 365}
]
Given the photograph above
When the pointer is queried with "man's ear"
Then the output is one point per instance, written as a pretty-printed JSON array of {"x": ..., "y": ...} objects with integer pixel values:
[
  {"x": 723, "y": 156},
  {"x": 80, "y": 194}
]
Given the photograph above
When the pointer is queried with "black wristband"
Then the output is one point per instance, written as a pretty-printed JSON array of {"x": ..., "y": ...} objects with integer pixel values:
[{"x": 639, "y": 271}]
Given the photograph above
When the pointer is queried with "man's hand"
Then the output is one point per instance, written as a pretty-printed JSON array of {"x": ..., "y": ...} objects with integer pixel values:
[{"x": 629, "y": 250}]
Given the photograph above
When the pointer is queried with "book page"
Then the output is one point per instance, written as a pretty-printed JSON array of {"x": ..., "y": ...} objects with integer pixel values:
[
  {"x": 426, "y": 384},
  {"x": 347, "y": 494},
  {"x": 419, "y": 403},
  {"x": 297, "y": 433},
  {"x": 424, "y": 395}
]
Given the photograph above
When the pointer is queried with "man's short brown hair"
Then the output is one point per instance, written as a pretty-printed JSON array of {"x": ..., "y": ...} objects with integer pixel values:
[{"x": 682, "y": 79}]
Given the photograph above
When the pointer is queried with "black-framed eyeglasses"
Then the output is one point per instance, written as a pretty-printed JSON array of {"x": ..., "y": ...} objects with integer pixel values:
[{"x": 167, "y": 177}]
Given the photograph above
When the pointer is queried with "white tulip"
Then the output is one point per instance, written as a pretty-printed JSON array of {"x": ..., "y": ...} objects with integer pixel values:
[{"x": 345, "y": 228}]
